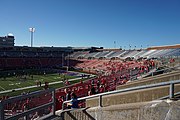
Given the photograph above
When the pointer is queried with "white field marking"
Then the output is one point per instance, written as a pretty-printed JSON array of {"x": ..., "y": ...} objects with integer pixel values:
[
  {"x": 57, "y": 77},
  {"x": 54, "y": 79},
  {"x": 17, "y": 84},
  {"x": 23, "y": 88},
  {"x": 11, "y": 83},
  {"x": 2, "y": 88}
]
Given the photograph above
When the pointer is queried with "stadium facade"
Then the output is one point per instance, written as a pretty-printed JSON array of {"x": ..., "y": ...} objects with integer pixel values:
[
  {"x": 7, "y": 41},
  {"x": 113, "y": 67}
]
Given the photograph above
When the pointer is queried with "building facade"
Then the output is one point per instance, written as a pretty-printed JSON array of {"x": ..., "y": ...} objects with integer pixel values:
[{"x": 7, "y": 41}]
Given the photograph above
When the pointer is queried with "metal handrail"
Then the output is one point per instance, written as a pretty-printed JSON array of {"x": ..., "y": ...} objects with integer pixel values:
[
  {"x": 157, "y": 70},
  {"x": 165, "y": 97},
  {"x": 164, "y": 69},
  {"x": 171, "y": 91},
  {"x": 26, "y": 113},
  {"x": 19, "y": 97},
  {"x": 152, "y": 73}
]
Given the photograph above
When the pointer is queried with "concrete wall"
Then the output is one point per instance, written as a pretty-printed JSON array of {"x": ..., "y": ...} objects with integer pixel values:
[
  {"x": 139, "y": 95},
  {"x": 134, "y": 105},
  {"x": 175, "y": 75},
  {"x": 155, "y": 110},
  {"x": 132, "y": 97}
]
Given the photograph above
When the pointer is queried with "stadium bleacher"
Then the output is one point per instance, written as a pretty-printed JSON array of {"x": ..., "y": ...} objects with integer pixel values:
[{"x": 110, "y": 73}]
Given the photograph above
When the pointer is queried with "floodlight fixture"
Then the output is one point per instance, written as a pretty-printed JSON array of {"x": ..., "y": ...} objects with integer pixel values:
[{"x": 31, "y": 30}]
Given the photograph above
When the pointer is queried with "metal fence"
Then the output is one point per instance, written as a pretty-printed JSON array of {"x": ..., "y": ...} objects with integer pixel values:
[
  {"x": 171, "y": 91},
  {"x": 165, "y": 70},
  {"x": 25, "y": 114}
]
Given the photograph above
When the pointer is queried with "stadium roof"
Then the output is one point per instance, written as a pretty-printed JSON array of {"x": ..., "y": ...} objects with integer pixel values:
[{"x": 164, "y": 47}]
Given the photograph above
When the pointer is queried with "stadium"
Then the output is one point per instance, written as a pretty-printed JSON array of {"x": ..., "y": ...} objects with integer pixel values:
[{"x": 34, "y": 81}]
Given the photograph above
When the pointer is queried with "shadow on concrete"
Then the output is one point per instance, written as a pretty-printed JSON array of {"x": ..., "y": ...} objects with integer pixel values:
[
  {"x": 87, "y": 114},
  {"x": 70, "y": 114},
  {"x": 53, "y": 117}
]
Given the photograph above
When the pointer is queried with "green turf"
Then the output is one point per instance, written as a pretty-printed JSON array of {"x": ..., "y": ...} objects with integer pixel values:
[
  {"x": 17, "y": 82},
  {"x": 58, "y": 85}
]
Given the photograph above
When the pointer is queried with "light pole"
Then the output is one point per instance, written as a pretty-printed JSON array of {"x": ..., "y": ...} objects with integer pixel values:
[
  {"x": 32, "y": 30},
  {"x": 114, "y": 44},
  {"x": 129, "y": 47}
]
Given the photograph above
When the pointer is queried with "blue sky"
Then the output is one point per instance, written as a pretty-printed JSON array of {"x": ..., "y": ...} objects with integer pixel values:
[{"x": 86, "y": 23}]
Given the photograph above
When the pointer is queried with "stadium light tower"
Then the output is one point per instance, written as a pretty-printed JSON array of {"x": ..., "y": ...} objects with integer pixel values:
[{"x": 32, "y": 30}]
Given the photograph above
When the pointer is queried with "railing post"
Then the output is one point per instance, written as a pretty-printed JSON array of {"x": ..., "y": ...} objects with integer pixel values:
[
  {"x": 100, "y": 101},
  {"x": 1, "y": 111},
  {"x": 171, "y": 91},
  {"x": 54, "y": 102},
  {"x": 63, "y": 106},
  {"x": 27, "y": 117},
  {"x": 130, "y": 73}
]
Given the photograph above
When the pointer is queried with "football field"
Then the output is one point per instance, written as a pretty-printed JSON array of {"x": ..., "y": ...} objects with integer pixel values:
[{"x": 15, "y": 82}]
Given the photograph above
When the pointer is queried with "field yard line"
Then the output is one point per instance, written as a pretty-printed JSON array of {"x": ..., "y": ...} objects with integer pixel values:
[
  {"x": 2, "y": 88},
  {"x": 36, "y": 85},
  {"x": 61, "y": 81},
  {"x": 15, "y": 84}
]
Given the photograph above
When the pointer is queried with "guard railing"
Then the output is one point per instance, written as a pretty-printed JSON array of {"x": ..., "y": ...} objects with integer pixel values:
[
  {"x": 170, "y": 83},
  {"x": 26, "y": 113}
]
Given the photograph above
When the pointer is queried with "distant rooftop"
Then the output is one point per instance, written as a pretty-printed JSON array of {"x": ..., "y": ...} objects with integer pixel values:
[{"x": 164, "y": 47}]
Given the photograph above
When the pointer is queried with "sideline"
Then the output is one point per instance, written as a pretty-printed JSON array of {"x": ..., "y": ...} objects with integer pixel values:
[{"x": 34, "y": 86}]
